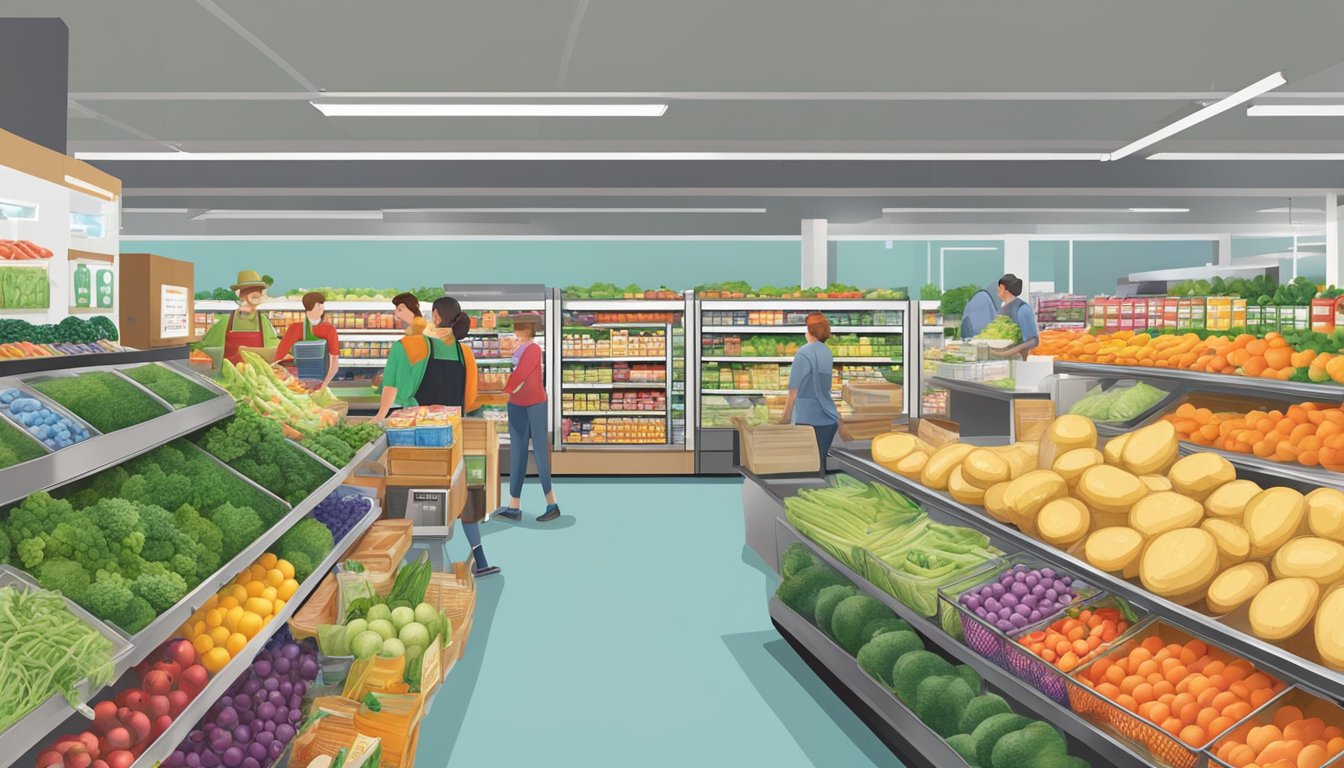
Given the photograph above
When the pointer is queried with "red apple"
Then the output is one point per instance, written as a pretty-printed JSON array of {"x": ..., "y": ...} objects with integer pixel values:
[
  {"x": 177, "y": 701},
  {"x": 193, "y": 680},
  {"x": 121, "y": 759},
  {"x": 168, "y": 666},
  {"x": 182, "y": 652},
  {"x": 105, "y": 715},
  {"x": 161, "y": 724},
  {"x": 119, "y": 738},
  {"x": 120, "y": 698},
  {"x": 90, "y": 741},
  {"x": 49, "y": 759},
  {"x": 78, "y": 757},
  {"x": 99, "y": 763},
  {"x": 157, "y": 706},
  {"x": 136, "y": 699}
]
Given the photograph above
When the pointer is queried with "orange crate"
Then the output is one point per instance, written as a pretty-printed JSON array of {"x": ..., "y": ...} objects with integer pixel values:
[
  {"x": 1164, "y": 747},
  {"x": 1329, "y": 713}
]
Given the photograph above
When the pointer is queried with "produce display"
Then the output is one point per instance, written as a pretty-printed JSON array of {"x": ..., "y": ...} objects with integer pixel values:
[
  {"x": 592, "y": 342},
  {"x": 173, "y": 388},
  {"x": 69, "y": 331},
  {"x": 1308, "y": 434},
  {"x": 953, "y": 301},
  {"x": 222, "y": 627},
  {"x": 798, "y": 317},
  {"x": 738, "y": 289},
  {"x": 623, "y": 430},
  {"x": 18, "y": 350},
  {"x": 23, "y": 250},
  {"x": 24, "y": 288},
  {"x": 1020, "y": 596},
  {"x": 253, "y": 722},
  {"x": 613, "y": 291},
  {"x": 47, "y": 651},
  {"x": 1260, "y": 290},
  {"x": 14, "y": 447},
  {"x": 125, "y": 725},
  {"x": 276, "y": 395},
  {"x": 340, "y": 512},
  {"x": 1080, "y": 635},
  {"x": 620, "y": 400},
  {"x": 53, "y": 429},
  {"x": 777, "y": 345},
  {"x": 950, "y": 699},
  {"x": 1285, "y": 735},
  {"x": 1118, "y": 403},
  {"x": 256, "y": 446},
  {"x": 607, "y": 373},
  {"x": 103, "y": 399}
]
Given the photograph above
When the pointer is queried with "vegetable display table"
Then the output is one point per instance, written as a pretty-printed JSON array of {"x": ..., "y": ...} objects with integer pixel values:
[{"x": 986, "y": 415}]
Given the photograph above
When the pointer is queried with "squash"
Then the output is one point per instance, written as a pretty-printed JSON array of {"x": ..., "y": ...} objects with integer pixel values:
[
  {"x": 1071, "y": 465},
  {"x": 1273, "y": 517},
  {"x": 912, "y": 466},
  {"x": 1063, "y": 522},
  {"x": 1106, "y": 488},
  {"x": 1229, "y": 501},
  {"x": 1200, "y": 474},
  {"x": 941, "y": 463},
  {"x": 1065, "y": 434},
  {"x": 1164, "y": 511},
  {"x": 1025, "y": 496},
  {"x": 1114, "y": 448},
  {"x": 1283, "y": 608},
  {"x": 890, "y": 448},
  {"x": 994, "y": 503},
  {"x": 1179, "y": 565},
  {"x": 1234, "y": 586},
  {"x": 1151, "y": 450},
  {"x": 983, "y": 467},
  {"x": 1156, "y": 483},
  {"x": 1115, "y": 550},
  {"x": 1311, "y": 557},
  {"x": 963, "y": 491},
  {"x": 1234, "y": 543},
  {"x": 1029, "y": 447},
  {"x": 1325, "y": 513},
  {"x": 1019, "y": 461},
  {"x": 1330, "y": 630}
]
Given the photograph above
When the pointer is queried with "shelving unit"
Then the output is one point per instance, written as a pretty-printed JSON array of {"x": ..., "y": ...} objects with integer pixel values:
[
  {"x": 717, "y": 441},
  {"x": 25, "y": 365},
  {"x": 1267, "y": 389}
]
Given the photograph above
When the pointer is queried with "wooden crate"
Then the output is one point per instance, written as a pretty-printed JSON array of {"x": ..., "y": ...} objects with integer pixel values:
[
  {"x": 773, "y": 449},
  {"x": 455, "y": 485},
  {"x": 480, "y": 437},
  {"x": 404, "y": 461}
]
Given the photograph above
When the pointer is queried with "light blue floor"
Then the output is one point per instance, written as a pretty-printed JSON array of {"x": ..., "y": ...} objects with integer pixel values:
[{"x": 633, "y": 632}]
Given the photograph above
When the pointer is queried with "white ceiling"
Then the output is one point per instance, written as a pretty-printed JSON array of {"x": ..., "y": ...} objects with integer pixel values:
[{"x": 787, "y": 75}]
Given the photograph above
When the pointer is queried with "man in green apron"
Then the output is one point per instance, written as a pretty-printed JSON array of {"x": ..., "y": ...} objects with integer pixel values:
[{"x": 313, "y": 328}]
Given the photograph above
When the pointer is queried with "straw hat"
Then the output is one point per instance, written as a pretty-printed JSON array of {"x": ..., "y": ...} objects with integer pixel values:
[
  {"x": 248, "y": 278},
  {"x": 526, "y": 318}
]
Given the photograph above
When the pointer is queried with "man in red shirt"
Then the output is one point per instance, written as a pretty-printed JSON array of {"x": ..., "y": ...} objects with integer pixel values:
[
  {"x": 313, "y": 328},
  {"x": 527, "y": 421}
]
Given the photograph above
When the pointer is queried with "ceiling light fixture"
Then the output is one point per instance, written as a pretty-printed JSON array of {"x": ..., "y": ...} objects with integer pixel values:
[
  {"x": 1267, "y": 156},
  {"x": 1159, "y": 210},
  {"x": 571, "y": 156},
  {"x": 1218, "y": 107},
  {"x": 346, "y": 109},
  {"x": 289, "y": 215},
  {"x": 1035, "y": 210},
  {"x": 89, "y": 187},
  {"x": 155, "y": 210},
  {"x": 1291, "y": 210},
  {"x": 574, "y": 210},
  {"x": 1295, "y": 110}
]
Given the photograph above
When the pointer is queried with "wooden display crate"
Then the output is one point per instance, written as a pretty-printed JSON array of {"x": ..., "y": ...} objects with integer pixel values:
[
  {"x": 776, "y": 449},
  {"x": 404, "y": 461},
  {"x": 480, "y": 437}
]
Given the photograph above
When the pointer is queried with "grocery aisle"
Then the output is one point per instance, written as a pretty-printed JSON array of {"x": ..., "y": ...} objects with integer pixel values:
[{"x": 634, "y": 633}]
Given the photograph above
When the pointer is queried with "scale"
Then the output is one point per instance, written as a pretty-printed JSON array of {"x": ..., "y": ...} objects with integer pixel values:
[{"x": 426, "y": 508}]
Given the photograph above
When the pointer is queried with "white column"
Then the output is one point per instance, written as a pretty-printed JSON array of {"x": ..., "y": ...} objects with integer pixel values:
[
  {"x": 1224, "y": 250},
  {"x": 1017, "y": 259},
  {"x": 1334, "y": 232},
  {"x": 816, "y": 257}
]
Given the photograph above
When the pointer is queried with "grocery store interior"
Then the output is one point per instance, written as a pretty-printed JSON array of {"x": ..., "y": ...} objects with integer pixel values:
[{"x": 613, "y": 383}]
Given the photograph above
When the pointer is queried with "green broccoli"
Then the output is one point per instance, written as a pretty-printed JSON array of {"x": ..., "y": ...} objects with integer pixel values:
[
  {"x": 964, "y": 745},
  {"x": 160, "y": 588},
  {"x": 990, "y": 730},
  {"x": 117, "y": 518},
  {"x": 4, "y": 546},
  {"x": 940, "y": 701},
  {"x": 827, "y": 599},
  {"x": 883, "y": 626},
  {"x": 110, "y": 597},
  {"x": 308, "y": 537},
  {"x": 209, "y": 539},
  {"x": 238, "y": 526},
  {"x": 800, "y": 592},
  {"x": 970, "y": 676},
  {"x": 878, "y": 656},
  {"x": 850, "y": 618},
  {"x": 65, "y": 576},
  {"x": 1032, "y": 741},
  {"x": 914, "y": 667},
  {"x": 162, "y": 539},
  {"x": 36, "y": 515},
  {"x": 303, "y": 565},
  {"x": 980, "y": 709},
  {"x": 795, "y": 559}
]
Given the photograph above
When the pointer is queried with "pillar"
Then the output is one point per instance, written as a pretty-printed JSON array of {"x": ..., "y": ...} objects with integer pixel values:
[
  {"x": 1333, "y": 235},
  {"x": 35, "y": 57},
  {"x": 818, "y": 270},
  {"x": 1017, "y": 259}
]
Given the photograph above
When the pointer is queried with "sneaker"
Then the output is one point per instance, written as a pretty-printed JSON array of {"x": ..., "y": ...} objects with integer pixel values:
[
  {"x": 487, "y": 571},
  {"x": 552, "y": 512},
  {"x": 509, "y": 513}
]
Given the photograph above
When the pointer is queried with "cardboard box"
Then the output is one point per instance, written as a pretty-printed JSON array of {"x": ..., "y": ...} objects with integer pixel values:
[
  {"x": 938, "y": 432},
  {"x": 874, "y": 398},
  {"x": 1031, "y": 419},
  {"x": 407, "y": 461},
  {"x": 157, "y": 307}
]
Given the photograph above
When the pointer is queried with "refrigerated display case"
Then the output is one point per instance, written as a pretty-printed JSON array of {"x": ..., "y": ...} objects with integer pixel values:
[
  {"x": 746, "y": 348},
  {"x": 623, "y": 397}
]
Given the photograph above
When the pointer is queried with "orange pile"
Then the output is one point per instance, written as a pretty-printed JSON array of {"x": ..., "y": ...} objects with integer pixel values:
[
  {"x": 1184, "y": 689},
  {"x": 1270, "y": 357},
  {"x": 1311, "y": 434},
  {"x": 1072, "y": 642},
  {"x": 1289, "y": 741}
]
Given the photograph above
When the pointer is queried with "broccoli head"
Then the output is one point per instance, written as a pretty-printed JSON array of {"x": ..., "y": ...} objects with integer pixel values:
[
  {"x": 308, "y": 537},
  {"x": 4, "y": 546},
  {"x": 209, "y": 539},
  {"x": 117, "y": 518},
  {"x": 161, "y": 535},
  {"x": 159, "y": 587},
  {"x": 303, "y": 565},
  {"x": 65, "y": 576},
  {"x": 36, "y": 515},
  {"x": 110, "y": 597},
  {"x": 81, "y": 541},
  {"x": 238, "y": 526}
]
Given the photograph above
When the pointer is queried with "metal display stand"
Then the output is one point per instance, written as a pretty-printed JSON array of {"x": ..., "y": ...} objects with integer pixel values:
[
  {"x": 984, "y": 414},
  {"x": 62, "y": 362}
]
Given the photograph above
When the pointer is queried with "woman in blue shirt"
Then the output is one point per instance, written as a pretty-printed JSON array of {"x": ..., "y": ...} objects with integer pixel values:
[{"x": 809, "y": 401}]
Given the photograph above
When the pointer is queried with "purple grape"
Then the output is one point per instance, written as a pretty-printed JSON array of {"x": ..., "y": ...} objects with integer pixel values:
[
  {"x": 193, "y": 760},
  {"x": 1009, "y": 600},
  {"x": 308, "y": 668},
  {"x": 227, "y": 717},
  {"x": 252, "y": 685},
  {"x": 1035, "y": 616},
  {"x": 1018, "y": 621},
  {"x": 209, "y": 760},
  {"x": 250, "y": 762},
  {"x": 291, "y": 651},
  {"x": 286, "y": 688},
  {"x": 220, "y": 740},
  {"x": 296, "y": 703},
  {"x": 262, "y": 669},
  {"x": 243, "y": 701},
  {"x": 275, "y": 749},
  {"x": 281, "y": 714},
  {"x": 301, "y": 688},
  {"x": 268, "y": 726},
  {"x": 276, "y": 698},
  {"x": 266, "y": 711},
  {"x": 232, "y": 757},
  {"x": 256, "y": 751},
  {"x": 283, "y": 733},
  {"x": 281, "y": 666}
]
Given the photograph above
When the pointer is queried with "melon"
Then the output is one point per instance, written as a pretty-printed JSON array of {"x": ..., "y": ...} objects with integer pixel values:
[
  {"x": 1200, "y": 474},
  {"x": 1179, "y": 565}
]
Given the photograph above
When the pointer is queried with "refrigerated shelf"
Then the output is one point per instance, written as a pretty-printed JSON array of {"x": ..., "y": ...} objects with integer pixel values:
[
  {"x": 1294, "y": 391},
  {"x": 613, "y": 384},
  {"x": 836, "y": 330},
  {"x": 582, "y": 414},
  {"x": 621, "y": 359}
]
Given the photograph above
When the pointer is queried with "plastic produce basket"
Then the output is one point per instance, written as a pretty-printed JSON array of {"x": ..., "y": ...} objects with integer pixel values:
[
  {"x": 1164, "y": 748},
  {"x": 434, "y": 437},
  {"x": 920, "y": 593},
  {"x": 310, "y": 359},
  {"x": 1311, "y": 706},
  {"x": 978, "y": 634},
  {"x": 1045, "y": 676},
  {"x": 404, "y": 438}
]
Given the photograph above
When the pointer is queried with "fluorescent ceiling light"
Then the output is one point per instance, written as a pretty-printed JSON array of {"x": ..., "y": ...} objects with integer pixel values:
[
  {"x": 155, "y": 210},
  {"x": 298, "y": 215},
  {"x": 1247, "y": 156},
  {"x": 346, "y": 109},
  {"x": 573, "y": 210},
  {"x": 1295, "y": 110},
  {"x": 89, "y": 187},
  {"x": 1035, "y": 210},
  {"x": 1199, "y": 116},
  {"x": 568, "y": 156},
  {"x": 1291, "y": 210}
]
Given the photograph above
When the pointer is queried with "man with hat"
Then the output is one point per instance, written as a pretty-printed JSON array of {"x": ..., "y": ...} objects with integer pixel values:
[{"x": 246, "y": 326}]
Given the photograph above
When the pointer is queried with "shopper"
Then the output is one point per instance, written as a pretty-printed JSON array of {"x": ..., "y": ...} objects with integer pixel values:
[
  {"x": 313, "y": 328},
  {"x": 1020, "y": 312},
  {"x": 406, "y": 360},
  {"x": 527, "y": 421},
  {"x": 980, "y": 310},
  {"x": 809, "y": 401},
  {"x": 247, "y": 325}
]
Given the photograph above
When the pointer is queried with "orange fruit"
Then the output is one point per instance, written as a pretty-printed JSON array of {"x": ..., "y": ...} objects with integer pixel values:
[
  {"x": 202, "y": 644},
  {"x": 214, "y": 660},
  {"x": 267, "y": 560},
  {"x": 284, "y": 567},
  {"x": 287, "y": 589},
  {"x": 235, "y": 644},
  {"x": 250, "y": 625},
  {"x": 220, "y": 635},
  {"x": 258, "y": 605}
]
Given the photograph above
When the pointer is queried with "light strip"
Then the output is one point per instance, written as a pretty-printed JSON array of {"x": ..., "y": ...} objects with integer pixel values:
[
  {"x": 1295, "y": 110},
  {"x": 1035, "y": 210},
  {"x": 567, "y": 156},
  {"x": 1159, "y": 210},
  {"x": 89, "y": 187},
  {"x": 155, "y": 210},
  {"x": 1271, "y": 156},
  {"x": 346, "y": 109},
  {"x": 1291, "y": 210},
  {"x": 574, "y": 210},
  {"x": 289, "y": 215},
  {"x": 1199, "y": 116}
]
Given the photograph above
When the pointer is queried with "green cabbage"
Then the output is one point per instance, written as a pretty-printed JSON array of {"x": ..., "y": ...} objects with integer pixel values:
[
  {"x": 1118, "y": 403},
  {"x": 1001, "y": 327}
]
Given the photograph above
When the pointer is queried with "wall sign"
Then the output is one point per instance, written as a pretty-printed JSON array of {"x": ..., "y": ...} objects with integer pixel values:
[{"x": 173, "y": 319}]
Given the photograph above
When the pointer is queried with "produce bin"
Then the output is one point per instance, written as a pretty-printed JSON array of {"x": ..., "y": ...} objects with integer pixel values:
[
  {"x": 383, "y": 546},
  {"x": 1311, "y": 706},
  {"x": 978, "y": 634},
  {"x": 1172, "y": 389},
  {"x": 454, "y": 594},
  {"x": 1164, "y": 748},
  {"x": 1044, "y": 676},
  {"x": 920, "y": 593}
]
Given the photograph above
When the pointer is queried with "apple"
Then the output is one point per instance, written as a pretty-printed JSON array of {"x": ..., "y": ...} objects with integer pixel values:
[
  {"x": 193, "y": 680},
  {"x": 177, "y": 701},
  {"x": 161, "y": 724},
  {"x": 168, "y": 667},
  {"x": 105, "y": 716},
  {"x": 121, "y": 759},
  {"x": 136, "y": 699},
  {"x": 49, "y": 759},
  {"x": 78, "y": 757},
  {"x": 119, "y": 738},
  {"x": 90, "y": 741},
  {"x": 157, "y": 706},
  {"x": 182, "y": 652},
  {"x": 100, "y": 763},
  {"x": 158, "y": 682}
]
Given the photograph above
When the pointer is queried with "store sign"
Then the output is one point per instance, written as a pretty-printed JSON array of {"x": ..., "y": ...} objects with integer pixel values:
[
  {"x": 103, "y": 280},
  {"x": 173, "y": 319}
]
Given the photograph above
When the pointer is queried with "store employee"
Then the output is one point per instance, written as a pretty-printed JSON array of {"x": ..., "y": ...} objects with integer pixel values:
[
  {"x": 313, "y": 328},
  {"x": 247, "y": 325},
  {"x": 980, "y": 310},
  {"x": 1020, "y": 312}
]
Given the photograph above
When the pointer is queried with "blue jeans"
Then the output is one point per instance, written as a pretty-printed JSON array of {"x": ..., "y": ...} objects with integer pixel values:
[
  {"x": 825, "y": 436},
  {"x": 528, "y": 422}
]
